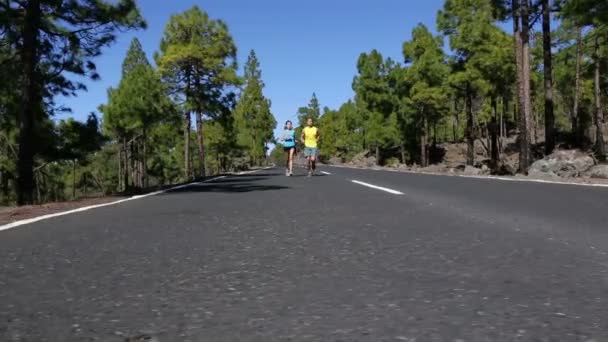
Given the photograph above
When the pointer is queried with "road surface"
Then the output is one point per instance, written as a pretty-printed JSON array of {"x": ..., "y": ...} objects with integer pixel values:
[{"x": 263, "y": 257}]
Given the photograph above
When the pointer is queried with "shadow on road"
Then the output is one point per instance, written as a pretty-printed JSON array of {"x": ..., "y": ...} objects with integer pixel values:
[{"x": 239, "y": 184}]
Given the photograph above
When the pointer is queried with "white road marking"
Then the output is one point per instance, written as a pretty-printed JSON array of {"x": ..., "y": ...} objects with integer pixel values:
[
  {"x": 391, "y": 191},
  {"x": 252, "y": 171},
  {"x": 325, "y": 173},
  {"x": 77, "y": 210}
]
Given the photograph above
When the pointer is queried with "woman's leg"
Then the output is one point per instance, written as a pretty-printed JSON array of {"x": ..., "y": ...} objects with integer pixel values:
[
  {"x": 287, "y": 162},
  {"x": 290, "y": 160}
]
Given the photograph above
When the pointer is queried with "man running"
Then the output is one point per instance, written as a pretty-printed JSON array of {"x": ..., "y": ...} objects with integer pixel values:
[{"x": 310, "y": 137}]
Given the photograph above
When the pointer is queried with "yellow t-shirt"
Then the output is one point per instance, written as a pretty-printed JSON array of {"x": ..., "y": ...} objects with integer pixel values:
[{"x": 310, "y": 137}]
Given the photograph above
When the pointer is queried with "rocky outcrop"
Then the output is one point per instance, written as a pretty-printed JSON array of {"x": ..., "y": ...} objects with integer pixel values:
[
  {"x": 363, "y": 159},
  {"x": 567, "y": 163},
  {"x": 598, "y": 171}
]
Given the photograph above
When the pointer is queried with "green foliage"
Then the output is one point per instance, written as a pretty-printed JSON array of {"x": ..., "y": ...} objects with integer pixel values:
[
  {"x": 49, "y": 40},
  {"x": 426, "y": 74},
  {"x": 197, "y": 60},
  {"x": 277, "y": 155},
  {"x": 312, "y": 111},
  {"x": 253, "y": 120},
  {"x": 375, "y": 96}
]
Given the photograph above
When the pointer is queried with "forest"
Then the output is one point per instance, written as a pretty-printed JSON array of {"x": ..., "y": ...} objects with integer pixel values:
[
  {"x": 515, "y": 79},
  {"x": 186, "y": 116}
]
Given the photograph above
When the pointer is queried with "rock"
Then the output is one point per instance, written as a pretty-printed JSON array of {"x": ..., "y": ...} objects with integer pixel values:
[
  {"x": 364, "y": 160},
  {"x": 392, "y": 163},
  {"x": 334, "y": 161},
  {"x": 567, "y": 163},
  {"x": 541, "y": 174},
  {"x": 598, "y": 171},
  {"x": 485, "y": 170},
  {"x": 471, "y": 171},
  {"x": 505, "y": 169},
  {"x": 371, "y": 161},
  {"x": 435, "y": 168},
  {"x": 360, "y": 157}
]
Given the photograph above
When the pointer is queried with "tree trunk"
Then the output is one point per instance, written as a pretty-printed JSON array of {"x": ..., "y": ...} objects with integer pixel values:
[
  {"x": 126, "y": 165},
  {"x": 377, "y": 154},
  {"x": 84, "y": 180},
  {"x": 548, "y": 71},
  {"x": 470, "y": 129},
  {"x": 133, "y": 160},
  {"x": 424, "y": 142},
  {"x": 456, "y": 120},
  {"x": 526, "y": 114},
  {"x": 493, "y": 128},
  {"x": 31, "y": 105},
  {"x": 38, "y": 190},
  {"x": 402, "y": 150},
  {"x": 146, "y": 182},
  {"x": 576, "y": 131},
  {"x": 187, "y": 172},
  {"x": 120, "y": 176},
  {"x": 201, "y": 144},
  {"x": 503, "y": 128},
  {"x": 5, "y": 178},
  {"x": 600, "y": 145},
  {"x": 74, "y": 180}
]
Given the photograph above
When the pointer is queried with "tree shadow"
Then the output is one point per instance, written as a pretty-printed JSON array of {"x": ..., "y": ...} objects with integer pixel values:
[
  {"x": 231, "y": 184},
  {"x": 226, "y": 188}
]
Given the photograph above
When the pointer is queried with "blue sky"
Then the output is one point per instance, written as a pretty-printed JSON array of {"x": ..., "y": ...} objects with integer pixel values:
[{"x": 303, "y": 46}]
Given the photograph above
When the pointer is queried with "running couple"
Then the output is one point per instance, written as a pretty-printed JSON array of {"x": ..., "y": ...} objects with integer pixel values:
[{"x": 310, "y": 137}]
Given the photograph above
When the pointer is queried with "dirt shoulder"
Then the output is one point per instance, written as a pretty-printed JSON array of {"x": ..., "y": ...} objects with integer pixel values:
[{"x": 12, "y": 214}]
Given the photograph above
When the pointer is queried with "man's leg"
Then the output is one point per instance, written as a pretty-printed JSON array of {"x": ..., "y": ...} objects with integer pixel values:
[
  {"x": 308, "y": 163},
  {"x": 313, "y": 160}
]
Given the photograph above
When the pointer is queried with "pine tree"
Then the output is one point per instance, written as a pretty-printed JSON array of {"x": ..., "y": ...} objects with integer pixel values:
[
  {"x": 312, "y": 111},
  {"x": 254, "y": 121},
  {"x": 426, "y": 73},
  {"x": 376, "y": 98},
  {"x": 133, "y": 109},
  {"x": 198, "y": 59},
  {"x": 469, "y": 24}
]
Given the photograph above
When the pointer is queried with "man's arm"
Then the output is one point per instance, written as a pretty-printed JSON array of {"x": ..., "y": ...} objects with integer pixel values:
[{"x": 302, "y": 137}]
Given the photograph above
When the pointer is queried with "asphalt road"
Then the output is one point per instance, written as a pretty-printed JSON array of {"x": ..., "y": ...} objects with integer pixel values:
[{"x": 264, "y": 257}]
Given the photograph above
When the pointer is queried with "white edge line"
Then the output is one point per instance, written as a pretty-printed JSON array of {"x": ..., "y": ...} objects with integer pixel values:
[
  {"x": 530, "y": 180},
  {"x": 77, "y": 210},
  {"x": 394, "y": 192},
  {"x": 325, "y": 173}
]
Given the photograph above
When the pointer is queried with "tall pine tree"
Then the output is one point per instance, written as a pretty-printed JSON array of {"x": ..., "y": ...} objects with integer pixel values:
[
  {"x": 254, "y": 121},
  {"x": 198, "y": 59}
]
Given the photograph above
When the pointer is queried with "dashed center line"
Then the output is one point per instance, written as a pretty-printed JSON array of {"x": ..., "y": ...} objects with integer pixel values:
[{"x": 390, "y": 191}]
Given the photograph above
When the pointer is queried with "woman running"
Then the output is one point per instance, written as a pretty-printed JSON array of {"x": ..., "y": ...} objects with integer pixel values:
[{"x": 289, "y": 146}]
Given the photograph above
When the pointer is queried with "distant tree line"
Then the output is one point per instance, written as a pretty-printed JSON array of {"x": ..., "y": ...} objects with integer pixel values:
[{"x": 543, "y": 83}]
